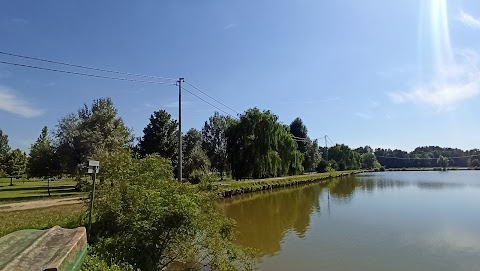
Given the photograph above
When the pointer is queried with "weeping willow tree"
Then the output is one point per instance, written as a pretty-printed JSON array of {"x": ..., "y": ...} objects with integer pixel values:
[{"x": 259, "y": 146}]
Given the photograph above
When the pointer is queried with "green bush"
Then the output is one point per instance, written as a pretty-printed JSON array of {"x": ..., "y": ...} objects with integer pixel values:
[
  {"x": 322, "y": 166},
  {"x": 333, "y": 165},
  {"x": 475, "y": 163},
  {"x": 382, "y": 168},
  {"x": 94, "y": 263},
  {"x": 199, "y": 175},
  {"x": 147, "y": 219}
]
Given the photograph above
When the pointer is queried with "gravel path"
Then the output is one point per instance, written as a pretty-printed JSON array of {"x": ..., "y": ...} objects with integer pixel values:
[{"x": 38, "y": 204}]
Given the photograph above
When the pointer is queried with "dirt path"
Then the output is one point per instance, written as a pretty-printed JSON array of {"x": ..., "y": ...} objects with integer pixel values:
[{"x": 38, "y": 204}]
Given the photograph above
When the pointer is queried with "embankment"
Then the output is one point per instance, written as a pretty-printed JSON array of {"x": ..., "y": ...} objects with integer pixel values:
[{"x": 232, "y": 188}]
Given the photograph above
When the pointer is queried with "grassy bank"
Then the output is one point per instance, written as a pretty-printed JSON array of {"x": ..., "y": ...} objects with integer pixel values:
[
  {"x": 231, "y": 187},
  {"x": 67, "y": 216},
  {"x": 23, "y": 189}
]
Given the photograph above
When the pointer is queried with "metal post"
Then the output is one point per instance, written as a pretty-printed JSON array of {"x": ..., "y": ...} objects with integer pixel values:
[
  {"x": 92, "y": 198},
  {"x": 180, "y": 161},
  {"x": 326, "y": 148}
]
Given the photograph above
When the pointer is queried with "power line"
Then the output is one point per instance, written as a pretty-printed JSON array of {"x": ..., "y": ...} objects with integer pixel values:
[
  {"x": 296, "y": 138},
  {"x": 212, "y": 98},
  {"x": 207, "y": 102},
  {"x": 85, "y": 67},
  {"x": 85, "y": 74},
  {"x": 200, "y": 98},
  {"x": 328, "y": 138}
]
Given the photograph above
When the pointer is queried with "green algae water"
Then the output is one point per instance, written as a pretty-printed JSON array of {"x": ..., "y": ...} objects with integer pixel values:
[{"x": 372, "y": 221}]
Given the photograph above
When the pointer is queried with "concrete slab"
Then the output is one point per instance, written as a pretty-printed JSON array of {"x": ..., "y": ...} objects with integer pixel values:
[{"x": 55, "y": 249}]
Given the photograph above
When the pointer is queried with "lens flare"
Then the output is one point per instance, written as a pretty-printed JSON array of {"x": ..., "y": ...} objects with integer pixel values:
[{"x": 440, "y": 35}]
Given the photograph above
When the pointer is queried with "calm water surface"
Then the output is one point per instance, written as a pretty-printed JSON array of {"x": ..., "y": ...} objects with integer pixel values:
[{"x": 373, "y": 221}]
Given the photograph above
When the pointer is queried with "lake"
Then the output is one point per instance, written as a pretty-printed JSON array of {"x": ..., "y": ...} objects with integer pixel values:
[{"x": 372, "y": 221}]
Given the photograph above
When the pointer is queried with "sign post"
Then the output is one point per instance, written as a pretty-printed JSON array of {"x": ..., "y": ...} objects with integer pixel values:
[{"x": 93, "y": 168}]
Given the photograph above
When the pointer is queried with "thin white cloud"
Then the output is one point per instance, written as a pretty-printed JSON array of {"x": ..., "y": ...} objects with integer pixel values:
[
  {"x": 395, "y": 71},
  {"x": 323, "y": 100},
  {"x": 364, "y": 116},
  {"x": 175, "y": 104},
  {"x": 19, "y": 21},
  {"x": 453, "y": 84},
  {"x": 9, "y": 102},
  {"x": 230, "y": 26},
  {"x": 149, "y": 105},
  {"x": 469, "y": 20}
]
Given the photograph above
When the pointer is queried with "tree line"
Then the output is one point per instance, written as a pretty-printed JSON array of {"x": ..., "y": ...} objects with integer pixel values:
[
  {"x": 427, "y": 157},
  {"x": 254, "y": 145}
]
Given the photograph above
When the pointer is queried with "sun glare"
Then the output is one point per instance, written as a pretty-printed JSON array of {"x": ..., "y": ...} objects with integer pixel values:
[{"x": 440, "y": 34}]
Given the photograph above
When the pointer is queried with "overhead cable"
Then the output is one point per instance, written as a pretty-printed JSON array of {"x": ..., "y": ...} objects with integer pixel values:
[
  {"x": 207, "y": 102},
  {"x": 85, "y": 67},
  {"x": 212, "y": 98},
  {"x": 85, "y": 74}
]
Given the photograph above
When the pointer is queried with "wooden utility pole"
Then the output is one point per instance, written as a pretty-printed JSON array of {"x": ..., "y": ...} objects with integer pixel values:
[{"x": 180, "y": 139}]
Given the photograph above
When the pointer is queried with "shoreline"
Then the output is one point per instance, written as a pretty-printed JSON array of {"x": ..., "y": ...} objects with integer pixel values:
[{"x": 244, "y": 187}]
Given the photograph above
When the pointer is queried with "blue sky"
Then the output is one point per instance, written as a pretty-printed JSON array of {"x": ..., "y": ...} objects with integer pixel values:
[{"x": 396, "y": 74}]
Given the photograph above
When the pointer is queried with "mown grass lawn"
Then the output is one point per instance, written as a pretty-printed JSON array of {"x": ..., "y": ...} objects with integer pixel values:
[
  {"x": 24, "y": 189},
  {"x": 67, "y": 216}
]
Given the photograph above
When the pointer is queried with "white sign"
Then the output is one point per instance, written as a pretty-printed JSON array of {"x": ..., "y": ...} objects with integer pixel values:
[
  {"x": 93, "y": 170},
  {"x": 93, "y": 166},
  {"x": 93, "y": 163}
]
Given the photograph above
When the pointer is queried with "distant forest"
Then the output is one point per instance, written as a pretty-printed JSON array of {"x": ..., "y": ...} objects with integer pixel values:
[{"x": 426, "y": 157}]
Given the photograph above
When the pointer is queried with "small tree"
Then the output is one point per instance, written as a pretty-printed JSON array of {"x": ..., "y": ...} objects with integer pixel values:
[
  {"x": 16, "y": 163},
  {"x": 93, "y": 129},
  {"x": 215, "y": 142},
  {"x": 369, "y": 161},
  {"x": 475, "y": 163},
  {"x": 4, "y": 151},
  {"x": 442, "y": 162},
  {"x": 160, "y": 137},
  {"x": 196, "y": 160},
  {"x": 42, "y": 161}
]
